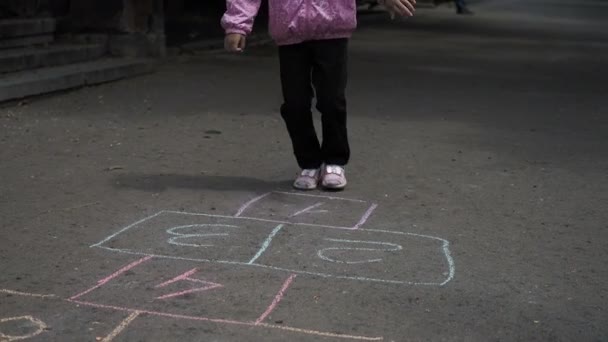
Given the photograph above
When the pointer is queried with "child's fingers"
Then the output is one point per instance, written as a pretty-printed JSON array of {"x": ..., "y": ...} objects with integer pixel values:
[
  {"x": 406, "y": 8},
  {"x": 228, "y": 44},
  {"x": 234, "y": 43},
  {"x": 242, "y": 43},
  {"x": 398, "y": 7},
  {"x": 410, "y": 5},
  {"x": 401, "y": 9}
]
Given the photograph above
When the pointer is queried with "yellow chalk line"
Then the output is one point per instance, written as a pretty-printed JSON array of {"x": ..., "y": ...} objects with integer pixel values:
[
  {"x": 8, "y": 338},
  {"x": 122, "y": 326},
  {"x": 26, "y": 294}
]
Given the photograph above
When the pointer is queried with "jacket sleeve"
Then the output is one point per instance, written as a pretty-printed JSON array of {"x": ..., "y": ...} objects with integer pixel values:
[{"x": 240, "y": 15}]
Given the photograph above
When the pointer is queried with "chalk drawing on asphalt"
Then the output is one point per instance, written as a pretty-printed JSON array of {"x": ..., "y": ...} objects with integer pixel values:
[
  {"x": 260, "y": 220},
  {"x": 37, "y": 326}
]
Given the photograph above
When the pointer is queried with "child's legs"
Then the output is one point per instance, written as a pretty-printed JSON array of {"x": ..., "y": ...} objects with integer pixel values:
[
  {"x": 296, "y": 66},
  {"x": 329, "y": 78},
  {"x": 460, "y": 4}
]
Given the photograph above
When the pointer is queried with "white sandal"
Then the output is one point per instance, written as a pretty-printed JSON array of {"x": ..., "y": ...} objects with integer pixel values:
[
  {"x": 308, "y": 179},
  {"x": 333, "y": 177}
]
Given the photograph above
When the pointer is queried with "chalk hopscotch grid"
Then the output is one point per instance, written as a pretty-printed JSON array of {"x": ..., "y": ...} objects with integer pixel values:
[
  {"x": 445, "y": 244},
  {"x": 266, "y": 244},
  {"x": 213, "y": 216},
  {"x": 134, "y": 313},
  {"x": 320, "y": 196},
  {"x": 230, "y": 322},
  {"x": 445, "y": 250},
  {"x": 257, "y": 323},
  {"x": 362, "y": 221},
  {"x": 122, "y": 326},
  {"x": 40, "y": 328}
]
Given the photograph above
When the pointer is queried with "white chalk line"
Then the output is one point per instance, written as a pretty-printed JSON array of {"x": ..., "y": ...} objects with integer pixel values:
[
  {"x": 367, "y": 261},
  {"x": 307, "y": 209},
  {"x": 238, "y": 214},
  {"x": 122, "y": 326},
  {"x": 297, "y": 223},
  {"x": 257, "y": 219},
  {"x": 9, "y": 338},
  {"x": 173, "y": 229},
  {"x": 320, "y": 196},
  {"x": 173, "y": 241},
  {"x": 222, "y": 217},
  {"x": 26, "y": 294},
  {"x": 126, "y": 228},
  {"x": 239, "y": 263},
  {"x": 179, "y": 236},
  {"x": 249, "y": 203},
  {"x": 266, "y": 243},
  {"x": 366, "y": 216},
  {"x": 448, "y": 256},
  {"x": 326, "y": 275},
  {"x": 321, "y": 252},
  {"x": 445, "y": 248}
]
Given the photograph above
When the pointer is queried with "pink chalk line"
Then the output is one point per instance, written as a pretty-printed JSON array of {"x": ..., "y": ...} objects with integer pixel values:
[
  {"x": 183, "y": 276},
  {"x": 276, "y": 299},
  {"x": 248, "y": 204},
  {"x": 226, "y": 321},
  {"x": 112, "y": 276},
  {"x": 258, "y": 323},
  {"x": 366, "y": 216},
  {"x": 186, "y": 277}
]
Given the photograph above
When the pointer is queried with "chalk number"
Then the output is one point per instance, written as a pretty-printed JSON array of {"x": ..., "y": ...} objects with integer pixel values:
[{"x": 330, "y": 254}]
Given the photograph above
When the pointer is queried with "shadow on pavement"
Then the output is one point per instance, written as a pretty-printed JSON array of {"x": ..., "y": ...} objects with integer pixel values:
[{"x": 159, "y": 183}]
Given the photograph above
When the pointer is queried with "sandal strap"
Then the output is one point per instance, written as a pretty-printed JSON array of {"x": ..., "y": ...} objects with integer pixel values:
[
  {"x": 311, "y": 173},
  {"x": 334, "y": 170}
]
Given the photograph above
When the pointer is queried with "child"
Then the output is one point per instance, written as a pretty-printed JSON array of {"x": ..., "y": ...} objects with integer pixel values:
[
  {"x": 312, "y": 36},
  {"x": 462, "y": 8}
]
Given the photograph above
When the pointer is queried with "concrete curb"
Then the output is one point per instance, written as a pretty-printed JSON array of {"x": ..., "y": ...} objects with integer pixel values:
[{"x": 47, "y": 80}]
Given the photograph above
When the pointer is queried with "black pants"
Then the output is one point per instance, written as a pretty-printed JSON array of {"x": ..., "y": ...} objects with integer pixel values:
[
  {"x": 321, "y": 64},
  {"x": 461, "y": 5}
]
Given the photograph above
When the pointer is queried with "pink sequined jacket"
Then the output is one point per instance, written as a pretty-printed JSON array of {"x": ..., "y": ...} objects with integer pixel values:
[{"x": 294, "y": 21}]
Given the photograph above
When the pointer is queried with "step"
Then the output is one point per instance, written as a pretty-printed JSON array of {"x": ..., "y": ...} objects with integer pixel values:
[
  {"x": 12, "y": 60},
  {"x": 26, "y": 41},
  {"x": 46, "y": 80},
  {"x": 12, "y": 28}
]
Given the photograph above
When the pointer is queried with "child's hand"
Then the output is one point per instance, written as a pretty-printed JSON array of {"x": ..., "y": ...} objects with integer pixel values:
[
  {"x": 235, "y": 42},
  {"x": 400, "y": 7}
]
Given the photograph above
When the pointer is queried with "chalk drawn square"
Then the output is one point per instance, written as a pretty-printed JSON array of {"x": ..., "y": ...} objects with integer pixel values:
[
  {"x": 182, "y": 288},
  {"x": 218, "y": 294},
  {"x": 317, "y": 251},
  {"x": 307, "y": 209},
  {"x": 363, "y": 254},
  {"x": 50, "y": 318},
  {"x": 188, "y": 236}
]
